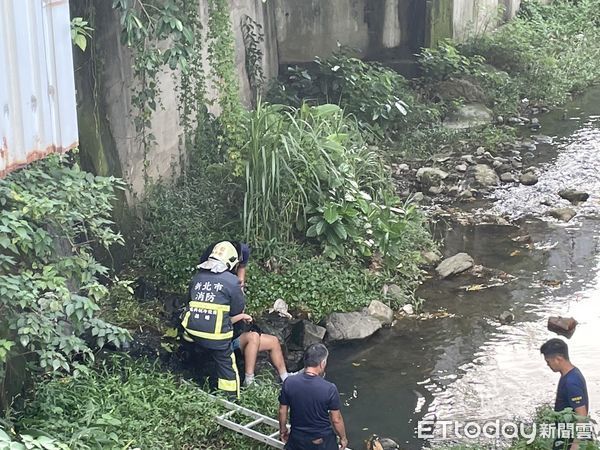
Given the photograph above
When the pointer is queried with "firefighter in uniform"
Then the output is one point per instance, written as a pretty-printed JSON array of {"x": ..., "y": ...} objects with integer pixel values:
[{"x": 215, "y": 296}]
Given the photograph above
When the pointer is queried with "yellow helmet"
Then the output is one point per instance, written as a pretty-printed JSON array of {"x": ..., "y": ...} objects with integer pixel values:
[{"x": 225, "y": 252}]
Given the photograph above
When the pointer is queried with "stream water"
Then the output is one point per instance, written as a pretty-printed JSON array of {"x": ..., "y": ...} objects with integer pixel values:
[{"x": 468, "y": 366}]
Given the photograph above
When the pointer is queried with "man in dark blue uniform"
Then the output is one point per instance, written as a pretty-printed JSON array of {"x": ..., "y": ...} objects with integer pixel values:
[
  {"x": 215, "y": 297},
  {"x": 572, "y": 389},
  {"x": 314, "y": 406}
]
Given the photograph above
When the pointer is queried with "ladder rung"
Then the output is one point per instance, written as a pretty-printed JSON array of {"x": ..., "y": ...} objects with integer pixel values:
[
  {"x": 254, "y": 422},
  {"x": 273, "y": 435}
]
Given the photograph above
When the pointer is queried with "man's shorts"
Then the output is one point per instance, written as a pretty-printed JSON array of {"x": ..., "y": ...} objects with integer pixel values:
[
  {"x": 327, "y": 442},
  {"x": 235, "y": 344}
]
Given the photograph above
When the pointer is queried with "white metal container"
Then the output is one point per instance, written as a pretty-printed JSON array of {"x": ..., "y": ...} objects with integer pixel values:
[{"x": 38, "y": 113}]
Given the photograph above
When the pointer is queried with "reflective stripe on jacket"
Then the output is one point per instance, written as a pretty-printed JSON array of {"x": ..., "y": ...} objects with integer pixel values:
[{"x": 214, "y": 298}]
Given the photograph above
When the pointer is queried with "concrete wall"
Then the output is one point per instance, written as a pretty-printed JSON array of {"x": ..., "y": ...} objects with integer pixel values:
[
  {"x": 310, "y": 28},
  {"x": 104, "y": 85}
]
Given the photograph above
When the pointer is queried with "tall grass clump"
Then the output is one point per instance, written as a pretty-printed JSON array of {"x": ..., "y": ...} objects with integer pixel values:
[{"x": 310, "y": 174}]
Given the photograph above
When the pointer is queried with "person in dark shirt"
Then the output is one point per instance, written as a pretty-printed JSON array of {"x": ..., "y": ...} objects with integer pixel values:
[
  {"x": 314, "y": 407},
  {"x": 250, "y": 341},
  {"x": 215, "y": 297},
  {"x": 572, "y": 389}
]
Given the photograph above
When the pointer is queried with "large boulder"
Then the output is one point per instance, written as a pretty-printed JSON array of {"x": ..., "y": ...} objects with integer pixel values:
[
  {"x": 454, "y": 265},
  {"x": 349, "y": 326},
  {"x": 381, "y": 312},
  {"x": 305, "y": 333},
  {"x": 528, "y": 179},
  {"x": 574, "y": 196},
  {"x": 458, "y": 88},
  {"x": 430, "y": 176},
  {"x": 468, "y": 116},
  {"x": 564, "y": 214},
  {"x": 485, "y": 176}
]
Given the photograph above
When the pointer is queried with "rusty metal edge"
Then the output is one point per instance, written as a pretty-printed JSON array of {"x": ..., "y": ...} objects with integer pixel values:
[{"x": 35, "y": 156}]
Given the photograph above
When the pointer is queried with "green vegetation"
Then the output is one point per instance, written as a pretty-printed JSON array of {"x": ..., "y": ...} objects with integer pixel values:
[
  {"x": 127, "y": 404},
  {"x": 53, "y": 215},
  {"x": 549, "y": 51}
]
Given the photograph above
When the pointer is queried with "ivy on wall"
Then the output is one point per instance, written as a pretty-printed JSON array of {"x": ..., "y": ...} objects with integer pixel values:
[{"x": 147, "y": 27}]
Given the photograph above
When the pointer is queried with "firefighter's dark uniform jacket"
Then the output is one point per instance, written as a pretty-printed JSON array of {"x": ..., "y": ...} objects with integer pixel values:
[{"x": 214, "y": 298}]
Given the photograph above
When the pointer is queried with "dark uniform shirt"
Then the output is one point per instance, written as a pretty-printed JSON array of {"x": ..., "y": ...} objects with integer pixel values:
[
  {"x": 214, "y": 298},
  {"x": 572, "y": 391},
  {"x": 310, "y": 399}
]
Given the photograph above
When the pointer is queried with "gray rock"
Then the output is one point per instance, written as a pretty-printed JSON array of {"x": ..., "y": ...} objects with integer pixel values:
[
  {"x": 465, "y": 195},
  {"x": 408, "y": 309},
  {"x": 431, "y": 176},
  {"x": 517, "y": 164},
  {"x": 499, "y": 120},
  {"x": 514, "y": 121},
  {"x": 468, "y": 116},
  {"x": 508, "y": 178},
  {"x": 456, "y": 88},
  {"x": 480, "y": 151},
  {"x": 431, "y": 257},
  {"x": 528, "y": 146},
  {"x": 504, "y": 168},
  {"x": 542, "y": 139},
  {"x": 506, "y": 317},
  {"x": 574, "y": 196},
  {"x": 461, "y": 168},
  {"x": 418, "y": 197},
  {"x": 485, "y": 176},
  {"x": 564, "y": 214},
  {"x": 528, "y": 179},
  {"x": 468, "y": 158},
  {"x": 305, "y": 333},
  {"x": 497, "y": 164},
  {"x": 350, "y": 326},
  {"x": 381, "y": 312},
  {"x": 403, "y": 167},
  {"x": 454, "y": 265},
  {"x": 435, "y": 190}
]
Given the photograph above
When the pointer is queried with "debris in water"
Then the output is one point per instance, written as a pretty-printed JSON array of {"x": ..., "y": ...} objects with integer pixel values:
[
  {"x": 515, "y": 253},
  {"x": 565, "y": 326},
  {"x": 546, "y": 246},
  {"x": 552, "y": 283}
]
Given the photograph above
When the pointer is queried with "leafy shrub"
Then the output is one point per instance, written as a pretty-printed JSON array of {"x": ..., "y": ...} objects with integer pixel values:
[
  {"x": 177, "y": 222},
  {"x": 446, "y": 60},
  {"x": 313, "y": 284},
  {"x": 52, "y": 215},
  {"x": 375, "y": 95},
  {"x": 128, "y": 404}
]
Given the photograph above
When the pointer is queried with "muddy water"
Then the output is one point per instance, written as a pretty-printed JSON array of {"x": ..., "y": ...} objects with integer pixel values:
[{"x": 468, "y": 366}]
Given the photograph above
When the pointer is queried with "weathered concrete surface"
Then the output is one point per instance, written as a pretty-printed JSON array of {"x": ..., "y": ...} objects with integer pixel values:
[
  {"x": 310, "y": 28},
  {"x": 109, "y": 145}
]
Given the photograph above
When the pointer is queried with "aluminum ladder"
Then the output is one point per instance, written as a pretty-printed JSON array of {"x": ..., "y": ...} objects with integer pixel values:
[{"x": 247, "y": 429}]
